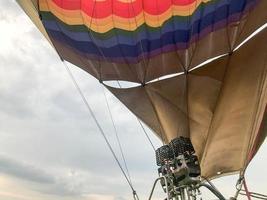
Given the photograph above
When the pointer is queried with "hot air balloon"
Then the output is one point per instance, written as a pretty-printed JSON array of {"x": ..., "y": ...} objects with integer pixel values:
[{"x": 201, "y": 82}]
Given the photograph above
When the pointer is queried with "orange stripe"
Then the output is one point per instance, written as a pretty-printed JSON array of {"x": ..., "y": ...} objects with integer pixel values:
[{"x": 78, "y": 17}]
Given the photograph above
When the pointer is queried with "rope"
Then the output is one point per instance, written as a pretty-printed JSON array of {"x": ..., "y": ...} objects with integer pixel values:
[
  {"x": 117, "y": 136},
  {"x": 98, "y": 125},
  {"x": 246, "y": 189}
]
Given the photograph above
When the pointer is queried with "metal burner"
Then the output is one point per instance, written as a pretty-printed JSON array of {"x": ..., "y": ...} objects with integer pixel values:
[{"x": 179, "y": 170}]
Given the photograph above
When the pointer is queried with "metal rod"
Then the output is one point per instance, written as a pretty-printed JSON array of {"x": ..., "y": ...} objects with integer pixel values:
[
  {"x": 209, "y": 182},
  {"x": 167, "y": 187},
  {"x": 188, "y": 194},
  {"x": 154, "y": 185},
  {"x": 257, "y": 194},
  {"x": 213, "y": 190},
  {"x": 135, "y": 196},
  {"x": 182, "y": 194},
  {"x": 254, "y": 196}
]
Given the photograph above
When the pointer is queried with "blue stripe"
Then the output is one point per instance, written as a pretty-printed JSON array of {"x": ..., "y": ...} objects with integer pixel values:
[{"x": 170, "y": 33}]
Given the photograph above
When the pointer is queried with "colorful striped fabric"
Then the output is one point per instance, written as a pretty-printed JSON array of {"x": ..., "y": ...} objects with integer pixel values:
[{"x": 127, "y": 31}]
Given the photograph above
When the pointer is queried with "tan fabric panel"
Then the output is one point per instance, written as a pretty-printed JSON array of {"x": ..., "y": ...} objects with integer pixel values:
[
  {"x": 167, "y": 63},
  {"x": 214, "y": 70},
  {"x": 215, "y": 44},
  {"x": 255, "y": 19},
  {"x": 202, "y": 97},
  {"x": 137, "y": 101},
  {"x": 169, "y": 99},
  {"x": 70, "y": 54},
  {"x": 204, "y": 85},
  {"x": 172, "y": 89},
  {"x": 161, "y": 105},
  {"x": 259, "y": 129},
  {"x": 237, "y": 116},
  {"x": 144, "y": 71},
  {"x": 30, "y": 8},
  {"x": 35, "y": 3},
  {"x": 224, "y": 40},
  {"x": 247, "y": 24},
  {"x": 127, "y": 72},
  {"x": 259, "y": 139}
]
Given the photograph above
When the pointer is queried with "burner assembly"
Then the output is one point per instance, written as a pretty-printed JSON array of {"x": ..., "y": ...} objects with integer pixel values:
[
  {"x": 178, "y": 164},
  {"x": 179, "y": 171}
]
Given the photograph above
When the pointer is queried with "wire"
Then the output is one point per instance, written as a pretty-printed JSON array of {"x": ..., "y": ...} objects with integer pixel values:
[
  {"x": 98, "y": 125},
  {"x": 117, "y": 136}
]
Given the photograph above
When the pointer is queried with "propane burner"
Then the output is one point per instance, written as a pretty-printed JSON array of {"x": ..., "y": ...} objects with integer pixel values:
[
  {"x": 179, "y": 166},
  {"x": 179, "y": 171}
]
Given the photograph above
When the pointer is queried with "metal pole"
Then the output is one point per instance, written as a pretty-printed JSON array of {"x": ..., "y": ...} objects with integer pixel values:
[
  {"x": 167, "y": 187},
  {"x": 182, "y": 194},
  {"x": 188, "y": 194},
  {"x": 135, "y": 196},
  {"x": 154, "y": 185},
  {"x": 213, "y": 190}
]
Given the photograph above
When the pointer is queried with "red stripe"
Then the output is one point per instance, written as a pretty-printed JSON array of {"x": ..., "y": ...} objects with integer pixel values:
[{"x": 127, "y": 10}]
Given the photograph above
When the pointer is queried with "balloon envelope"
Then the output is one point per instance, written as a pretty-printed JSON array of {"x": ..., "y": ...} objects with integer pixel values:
[{"x": 220, "y": 105}]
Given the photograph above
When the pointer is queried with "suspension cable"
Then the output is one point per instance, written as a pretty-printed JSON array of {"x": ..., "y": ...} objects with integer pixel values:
[
  {"x": 146, "y": 134},
  {"x": 142, "y": 126},
  {"x": 94, "y": 117},
  {"x": 117, "y": 136},
  {"x": 98, "y": 125}
]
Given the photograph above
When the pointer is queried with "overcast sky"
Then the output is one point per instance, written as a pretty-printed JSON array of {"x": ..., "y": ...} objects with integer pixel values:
[{"x": 50, "y": 148}]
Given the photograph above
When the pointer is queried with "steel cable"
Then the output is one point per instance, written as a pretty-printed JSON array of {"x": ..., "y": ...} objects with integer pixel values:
[
  {"x": 98, "y": 124},
  {"x": 117, "y": 136}
]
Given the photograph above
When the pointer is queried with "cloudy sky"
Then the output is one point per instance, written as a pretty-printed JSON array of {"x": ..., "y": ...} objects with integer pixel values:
[{"x": 50, "y": 147}]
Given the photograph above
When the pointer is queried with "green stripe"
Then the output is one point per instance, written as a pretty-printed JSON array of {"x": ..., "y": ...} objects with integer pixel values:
[{"x": 115, "y": 31}]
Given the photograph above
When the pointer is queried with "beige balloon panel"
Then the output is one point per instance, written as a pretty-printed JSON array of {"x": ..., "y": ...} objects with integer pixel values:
[{"x": 219, "y": 105}]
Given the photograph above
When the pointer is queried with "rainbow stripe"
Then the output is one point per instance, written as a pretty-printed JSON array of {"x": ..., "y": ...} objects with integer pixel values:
[{"x": 126, "y": 31}]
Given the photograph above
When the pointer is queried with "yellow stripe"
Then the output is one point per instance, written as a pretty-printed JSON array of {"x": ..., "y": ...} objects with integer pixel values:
[
  {"x": 30, "y": 8},
  {"x": 78, "y": 17}
]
